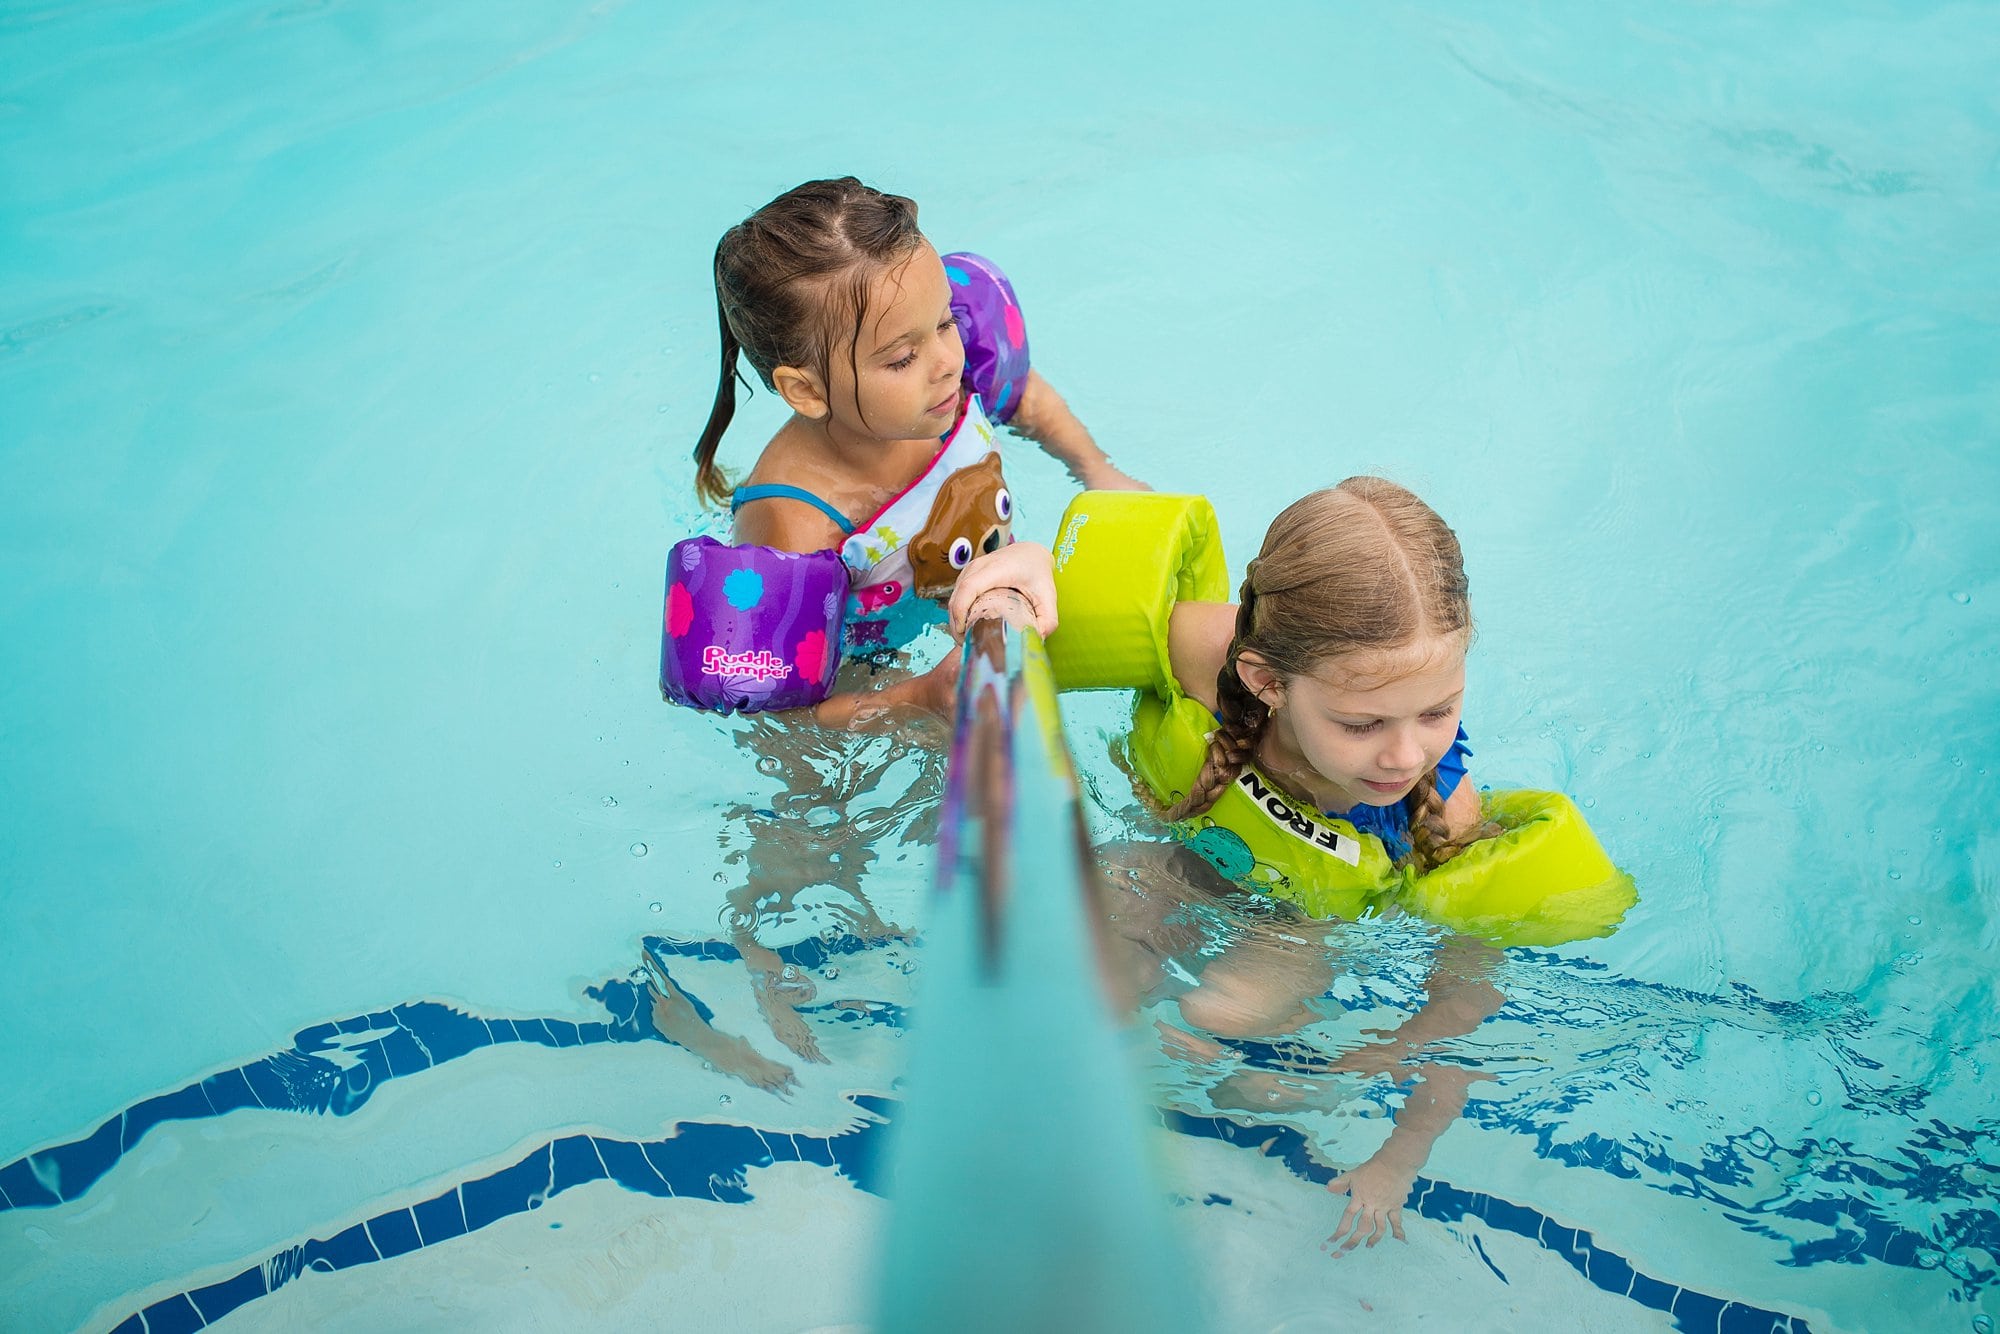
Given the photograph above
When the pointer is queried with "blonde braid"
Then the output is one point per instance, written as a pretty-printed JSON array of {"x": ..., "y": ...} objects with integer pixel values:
[
  {"x": 1431, "y": 843},
  {"x": 1240, "y": 719}
]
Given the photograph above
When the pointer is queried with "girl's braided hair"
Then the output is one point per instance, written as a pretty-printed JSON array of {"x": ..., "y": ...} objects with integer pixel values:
[
  {"x": 1363, "y": 567},
  {"x": 787, "y": 280}
]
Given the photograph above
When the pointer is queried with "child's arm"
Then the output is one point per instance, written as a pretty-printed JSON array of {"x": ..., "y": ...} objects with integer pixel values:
[
  {"x": 1198, "y": 635},
  {"x": 1045, "y": 418},
  {"x": 1015, "y": 583}
]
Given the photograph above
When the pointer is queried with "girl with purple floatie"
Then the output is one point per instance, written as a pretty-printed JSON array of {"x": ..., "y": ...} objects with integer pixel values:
[{"x": 879, "y": 508}]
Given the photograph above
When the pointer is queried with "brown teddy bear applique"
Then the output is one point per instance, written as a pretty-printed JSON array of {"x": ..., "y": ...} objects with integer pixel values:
[{"x": 972, "y": 515}]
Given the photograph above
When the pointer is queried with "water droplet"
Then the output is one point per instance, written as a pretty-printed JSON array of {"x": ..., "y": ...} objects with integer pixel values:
[
  {"x": 1590, "y": 803},
  {"x": 1645, "y": 754},
  {"x": 653, "y": 906},
  {"x": 1813, "y": 1097},
  {"x": 639, "y": 849},
  {"x": 725, "y": 1100},
  {"x": 610, "y": 801},
  {"x": 1916, "y": 920},
  {"x": 663, "y": 407},
  {"x": 1982, "y": 1325},
  {"x": 1895, "y": 875},
  {"x": 1962, "y": 598},
  {"x": 559, "y": 866},
  {"x": 829, "y": 972}
]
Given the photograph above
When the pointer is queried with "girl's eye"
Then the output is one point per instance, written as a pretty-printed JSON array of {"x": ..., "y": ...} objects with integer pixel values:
[
  {"x": 950, "y": 322},
  {"x": 1437, "y": 715},
  {"x": 1360, "y": 729},
  {"x": 1003, "y": 504},
  {"x": 960, "y": 553},
  {"x": 906, "y": 359}
]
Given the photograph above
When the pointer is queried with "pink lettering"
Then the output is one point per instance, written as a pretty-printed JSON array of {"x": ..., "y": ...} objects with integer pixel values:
[{"x": 763, "y": 664}]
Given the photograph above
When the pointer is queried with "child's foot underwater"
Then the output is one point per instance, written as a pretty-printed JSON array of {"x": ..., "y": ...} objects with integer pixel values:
[{"x": 681, "y": 1019}]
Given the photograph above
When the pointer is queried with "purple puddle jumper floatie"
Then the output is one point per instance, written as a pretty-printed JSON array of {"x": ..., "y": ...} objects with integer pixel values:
[{"x": 750, "y": 628}]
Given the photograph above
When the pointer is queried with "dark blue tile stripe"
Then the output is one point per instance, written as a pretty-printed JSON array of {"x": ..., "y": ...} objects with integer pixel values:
[
  {"x": 704, "y": 1160},
  {"x": 335, "y": 1067},
  {"x": 1695, "y": 1312}
]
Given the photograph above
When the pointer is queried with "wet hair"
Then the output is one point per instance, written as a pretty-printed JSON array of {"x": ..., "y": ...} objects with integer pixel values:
[
  {"x": 788, "y": 279},
  {"x": 1363, "y": 567}
]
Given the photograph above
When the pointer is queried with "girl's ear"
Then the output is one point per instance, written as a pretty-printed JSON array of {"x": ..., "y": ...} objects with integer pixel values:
[
  {"x": 801, "y": 390},
  {"x": 1258, "y": 678}
]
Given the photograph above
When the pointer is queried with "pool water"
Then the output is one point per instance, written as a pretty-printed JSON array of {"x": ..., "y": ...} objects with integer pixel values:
[{"x": 350, "y": 357}]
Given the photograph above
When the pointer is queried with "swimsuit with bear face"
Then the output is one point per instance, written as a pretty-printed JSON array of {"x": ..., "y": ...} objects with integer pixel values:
[{"x": 904, "y": 559}]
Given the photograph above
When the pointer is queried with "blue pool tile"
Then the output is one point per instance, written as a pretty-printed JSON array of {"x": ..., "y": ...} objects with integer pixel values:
[
  {"x": 188, "y": 1104},
  {"x": 394, "y": 1233},
  {"x": 628, "y": 1166},
  {"x": 131, "y": 1324},
  {"x": 1508, "y": 1216},
  {"x": 507, "y": 1191},
  {"x": 228, "y": 1091},
  {"x": 440, "y": 1219},
  {"x": 575, "y": 1162},
  {"x": 445, "y": 1031},
  {"x": 1740, "y": 1319},
  {"x": 1697, "y": 1312},
  {"x": 402, "y": 1054},
  {"x": 1651, "y": 1293},
  {"x": 269, "y": 1087},
  {"x": 219, "y": 1299},
  {"x": 1609, "y": 1272},
  {"x": 344, "y": 1250},
  {"x": 1561, "y": 1240},
  {"x": 563, "y": 1031},
  {"x": 175, "y": 1315},
  {"x": 309, "y": 1040},
  {"x": 1900, "y": 1247},
  {"x": 657, "y": 1158}
]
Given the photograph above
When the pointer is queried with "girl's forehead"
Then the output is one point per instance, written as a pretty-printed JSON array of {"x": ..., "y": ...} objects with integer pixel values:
[
  {"x": 901, "y": 291},
  {"x": 1385, "y": 681}
]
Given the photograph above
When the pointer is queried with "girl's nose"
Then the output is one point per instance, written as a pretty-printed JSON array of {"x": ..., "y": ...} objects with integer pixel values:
[{"x": 1403, "y": 752}]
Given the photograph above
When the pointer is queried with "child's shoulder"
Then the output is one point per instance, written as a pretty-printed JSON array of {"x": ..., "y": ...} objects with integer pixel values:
[{"x": 791, "y": 500}]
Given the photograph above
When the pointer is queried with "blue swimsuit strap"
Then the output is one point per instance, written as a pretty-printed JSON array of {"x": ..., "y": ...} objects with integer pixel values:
[{"x": 778, "y": 490}]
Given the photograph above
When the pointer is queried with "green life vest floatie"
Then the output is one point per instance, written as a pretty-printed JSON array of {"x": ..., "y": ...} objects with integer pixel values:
[{"x": 1123, "y": 559}]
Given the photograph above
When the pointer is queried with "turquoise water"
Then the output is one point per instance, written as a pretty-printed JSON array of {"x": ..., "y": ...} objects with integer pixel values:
[{"x": 349, "y": 358}]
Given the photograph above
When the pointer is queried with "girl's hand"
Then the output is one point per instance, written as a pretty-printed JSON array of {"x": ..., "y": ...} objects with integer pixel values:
[
  {"x": 1375, "y": 1194},
  {"x": 1025, "y": 569}
]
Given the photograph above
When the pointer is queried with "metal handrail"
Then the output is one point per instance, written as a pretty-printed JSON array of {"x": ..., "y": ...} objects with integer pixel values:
[{"x": 1022, "y": 1186}]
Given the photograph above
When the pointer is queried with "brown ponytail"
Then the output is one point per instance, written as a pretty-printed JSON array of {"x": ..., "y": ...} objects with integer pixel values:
[{"x": 791, "y": 284}]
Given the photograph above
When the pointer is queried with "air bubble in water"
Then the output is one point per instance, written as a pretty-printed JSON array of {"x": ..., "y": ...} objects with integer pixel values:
[
  {"x": 1590, "y": 803},
  {"x": 639, "y": 849},
  {"x": 559, "y": 866},
  {"x": 1813, "y": 1097},
  {"x": 1957, "y": 1265},
  {"x": 1982, "y": 1325},
  {"x": 595, "y": 377},
  {"x": 610, "y": 802},
  {"x": 1916, "y": 920},
  {"x": 1895, "y": 875},
  {"x": 725, "y": 1100},
  {"x": 1929, "y": 1259},
  {"x": 1962, "y": 598},
  {"x": 653, "y": 907},
  {"x": 829, "y": 973}
]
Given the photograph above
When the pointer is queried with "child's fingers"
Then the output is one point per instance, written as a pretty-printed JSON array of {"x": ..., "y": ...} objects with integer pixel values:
[{"x": 1396, "y": 1223}]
